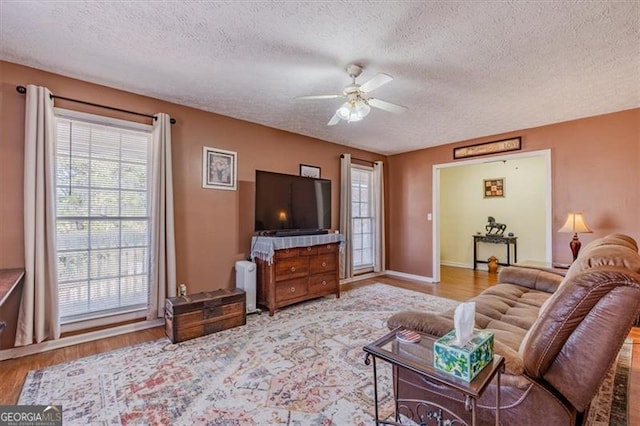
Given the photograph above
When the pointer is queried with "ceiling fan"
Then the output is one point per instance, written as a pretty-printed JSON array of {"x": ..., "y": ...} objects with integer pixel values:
[{"x": 358, "y": 105}]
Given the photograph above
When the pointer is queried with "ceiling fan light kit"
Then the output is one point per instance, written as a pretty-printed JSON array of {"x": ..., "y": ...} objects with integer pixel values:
[{"x": 357, "y": 106}]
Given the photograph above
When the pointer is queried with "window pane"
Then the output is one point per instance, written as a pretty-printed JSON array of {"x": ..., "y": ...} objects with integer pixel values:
[
  {"x": 134, "y": 261},
  {"x": 105, "y": 263},
  {"x": 134, "y": 176},
  {"x": 133, "y": 203},
  {"x": 72, "y": 201},
  {"x": 105, "y": 203},
  {"x": 73, "y": 266},
  {"x": 72, "y": 234},
  {"x": 105, "y": 234},
  {"x": 134, "y": 233},
  {"x": 105, "y": 174},
  {"x": 73, "y": 297}
]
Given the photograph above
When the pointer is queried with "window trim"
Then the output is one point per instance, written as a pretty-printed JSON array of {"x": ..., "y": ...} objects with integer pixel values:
[{"x": 362, "y": 269}]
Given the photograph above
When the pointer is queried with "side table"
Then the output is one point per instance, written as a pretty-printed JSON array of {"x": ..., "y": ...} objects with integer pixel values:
[
  {"x": 418, "y": 357},
  {"x": 495, "y": 239}
]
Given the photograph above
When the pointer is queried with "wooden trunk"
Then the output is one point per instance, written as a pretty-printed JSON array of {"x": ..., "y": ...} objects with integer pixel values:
[{"x": 195, "y": 315}]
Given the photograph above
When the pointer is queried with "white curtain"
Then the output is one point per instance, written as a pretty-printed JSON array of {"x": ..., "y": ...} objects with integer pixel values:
[
  {"x": 38, "y": 318},
  {"x": 163, "y": 245},
  {"x": 378, "y": 212},
  {"x": 346, "y": 260}
]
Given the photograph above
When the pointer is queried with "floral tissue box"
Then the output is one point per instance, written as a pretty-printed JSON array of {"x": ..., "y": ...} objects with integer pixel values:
[{"x": 464, "y": 362}]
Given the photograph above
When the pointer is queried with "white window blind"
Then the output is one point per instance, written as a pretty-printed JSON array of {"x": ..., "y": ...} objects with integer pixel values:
[
  {"x": 102, "y": 210},
  {"x": 362, "y": 217}
]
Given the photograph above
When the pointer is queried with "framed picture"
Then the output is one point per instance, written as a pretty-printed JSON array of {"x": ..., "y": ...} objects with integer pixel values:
[
  {"x": 493, "y": 188},
  {"x": 487, "y": 148},
  {"x": 309, "y": 171},
  {"x": 219, "y": 168}
]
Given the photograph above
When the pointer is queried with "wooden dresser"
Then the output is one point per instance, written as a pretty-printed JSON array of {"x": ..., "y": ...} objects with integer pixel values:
[{"x": 298, "y": 274}]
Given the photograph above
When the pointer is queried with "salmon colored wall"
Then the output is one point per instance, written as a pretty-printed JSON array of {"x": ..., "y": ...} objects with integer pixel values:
[
  {"x": 595, "y": 169},
  {"x": 213, "y": 227}
]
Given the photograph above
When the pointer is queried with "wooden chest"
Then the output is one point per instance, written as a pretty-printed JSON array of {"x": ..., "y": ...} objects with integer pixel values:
[{"x": 195, "y": 315}]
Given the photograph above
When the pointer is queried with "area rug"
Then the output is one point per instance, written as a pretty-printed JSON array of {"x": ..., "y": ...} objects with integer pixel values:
[
  {"x": 609, "y": 407},
  {"x": 303, "y": 366}
]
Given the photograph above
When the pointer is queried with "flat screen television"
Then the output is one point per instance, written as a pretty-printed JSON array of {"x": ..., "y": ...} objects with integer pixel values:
[{"x": 290, "y": 205}]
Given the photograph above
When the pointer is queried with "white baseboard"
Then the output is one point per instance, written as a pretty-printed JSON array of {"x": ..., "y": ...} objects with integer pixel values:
[
  {"x": 480, "y": 267},
  {"x": 410, "y": 276},
  {"x": 361, "y": 277},
  {"x": 77, "y": 339}
]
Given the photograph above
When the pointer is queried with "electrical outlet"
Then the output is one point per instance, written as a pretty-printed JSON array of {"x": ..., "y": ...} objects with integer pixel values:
[{"x": 429, "y": 217}]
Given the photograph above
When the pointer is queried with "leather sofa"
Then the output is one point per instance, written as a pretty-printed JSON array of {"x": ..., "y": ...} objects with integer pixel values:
[{"x": 559, "y": 336}]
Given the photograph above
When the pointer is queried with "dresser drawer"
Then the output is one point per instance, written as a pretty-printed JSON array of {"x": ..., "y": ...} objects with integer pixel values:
[
  {"x": 308, "y": 251},
  {"x": 291, "y": 289},
  {"x": 323, "y": 283},
  {"x": 327, "y": 248},
  {"x": 287, "y": 269},
  {"x": 323, "y": 263},
  {"x": 286, "y": 253}
]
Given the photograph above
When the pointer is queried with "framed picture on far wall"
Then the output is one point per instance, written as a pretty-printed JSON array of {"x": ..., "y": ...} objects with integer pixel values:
[
  {"x": 219, "y": 168},
  {"x": 309, "y": 171},
  {"x": 493, "y": 188}
]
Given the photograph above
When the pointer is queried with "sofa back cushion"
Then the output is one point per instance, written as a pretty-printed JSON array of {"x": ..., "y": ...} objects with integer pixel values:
[{"x": 579, "y": 333}]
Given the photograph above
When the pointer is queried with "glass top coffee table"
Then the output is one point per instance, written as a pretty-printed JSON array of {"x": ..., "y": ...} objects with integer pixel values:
[{"x": 418, "y": 357}]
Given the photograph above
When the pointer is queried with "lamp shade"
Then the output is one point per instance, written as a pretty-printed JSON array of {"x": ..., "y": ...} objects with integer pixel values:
[{"x": 575, "y": 224}]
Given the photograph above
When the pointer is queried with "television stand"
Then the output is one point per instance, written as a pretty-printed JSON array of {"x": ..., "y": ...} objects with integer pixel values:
[{"x": 298, "y": 232}]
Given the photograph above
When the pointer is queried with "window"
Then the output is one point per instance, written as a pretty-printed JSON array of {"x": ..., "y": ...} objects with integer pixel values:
[
  {"x": 102, "y": 217},
  {"x": 362, "y": 218}
]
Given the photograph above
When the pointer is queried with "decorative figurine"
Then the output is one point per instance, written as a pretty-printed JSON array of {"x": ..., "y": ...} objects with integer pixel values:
[
  {"x": 495, "y": 228},
  {"x": 493, "y": 264}
]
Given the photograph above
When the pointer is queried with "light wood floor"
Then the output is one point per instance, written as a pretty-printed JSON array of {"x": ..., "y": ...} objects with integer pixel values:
[{"x": 457, "y": 284}]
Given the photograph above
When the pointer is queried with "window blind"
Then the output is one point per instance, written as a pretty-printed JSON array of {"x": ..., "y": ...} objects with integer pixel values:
[{"x": 102, "y": 219}]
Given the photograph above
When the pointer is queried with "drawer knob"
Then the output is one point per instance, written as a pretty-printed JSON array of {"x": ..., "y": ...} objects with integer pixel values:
[
  {"x": 286, "y": 251},
  {"x": 324, "y": 264},
  {"x": 308, "y": 248},
  {"x": 324, "y": 282},
  {"x": 293, "y": 269},
  {"x": 328, "y": 246},
  {"x": 293, "y": 289}
]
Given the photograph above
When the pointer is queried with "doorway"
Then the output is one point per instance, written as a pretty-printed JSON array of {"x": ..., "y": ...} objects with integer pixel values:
[{"x": 524, "y": 174}]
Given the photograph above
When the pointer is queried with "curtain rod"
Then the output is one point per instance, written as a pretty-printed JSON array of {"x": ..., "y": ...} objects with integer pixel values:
[
  {"x": 23, "y": 90},
  {"x": 360, "y": 159}
]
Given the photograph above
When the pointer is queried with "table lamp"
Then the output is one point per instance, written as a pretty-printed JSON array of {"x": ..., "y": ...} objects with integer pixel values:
[{"x": 575, "y": 224}]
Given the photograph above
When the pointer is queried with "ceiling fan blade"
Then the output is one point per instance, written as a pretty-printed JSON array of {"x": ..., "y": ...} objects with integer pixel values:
[
  {"x": 375, "y": 82},
  {"x": 386, "y": 106},
  {"x": 319, "y": 97},
  {"x": 334, "y": 120}
]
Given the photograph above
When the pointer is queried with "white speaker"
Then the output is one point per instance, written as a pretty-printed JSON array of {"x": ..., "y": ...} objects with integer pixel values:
[{"x": 246, "y": 273}]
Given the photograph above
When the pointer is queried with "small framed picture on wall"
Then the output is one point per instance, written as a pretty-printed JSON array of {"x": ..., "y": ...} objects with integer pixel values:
[
  {"x": 493, "y": 188},
  {"x": 309, "y": 171},
  {"x": 219, "y": 168}
]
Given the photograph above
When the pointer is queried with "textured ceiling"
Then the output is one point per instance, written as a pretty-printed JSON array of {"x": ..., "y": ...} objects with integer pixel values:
[{"x": 464, "y": 69}]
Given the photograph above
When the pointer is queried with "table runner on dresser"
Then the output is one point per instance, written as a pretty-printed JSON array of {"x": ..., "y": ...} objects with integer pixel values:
[{"x": 265, "y": 247}]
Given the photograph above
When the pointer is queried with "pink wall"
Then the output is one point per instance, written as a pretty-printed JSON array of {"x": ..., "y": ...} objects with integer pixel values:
[
  {"x": 213, "y": 227},
  {"x": 595, "y": 169}
]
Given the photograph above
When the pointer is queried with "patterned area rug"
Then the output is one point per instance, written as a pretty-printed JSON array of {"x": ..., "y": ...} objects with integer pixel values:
[
  {"x": 303, "y": 366},
  {"x": 609, "y": 407}
]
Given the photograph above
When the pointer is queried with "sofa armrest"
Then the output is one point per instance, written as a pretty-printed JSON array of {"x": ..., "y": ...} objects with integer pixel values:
[{"x": 536, "y": 279}]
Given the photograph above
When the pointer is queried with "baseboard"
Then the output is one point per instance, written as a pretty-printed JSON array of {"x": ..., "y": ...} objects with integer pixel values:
[
  {"x": 479, "y": 267},
  {"x": 410, "y": 276},
  {"x": 361, "y": 277},
  {"x": 456, "y": 264},
  {"x": 77, "y": 339}
]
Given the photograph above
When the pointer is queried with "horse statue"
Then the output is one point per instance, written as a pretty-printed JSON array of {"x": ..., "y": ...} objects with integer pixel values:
[{"x": 495, "y": 228}]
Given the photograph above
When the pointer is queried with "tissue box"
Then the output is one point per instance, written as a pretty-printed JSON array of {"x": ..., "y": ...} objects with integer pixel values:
[{"x": 464, "y": 362}]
